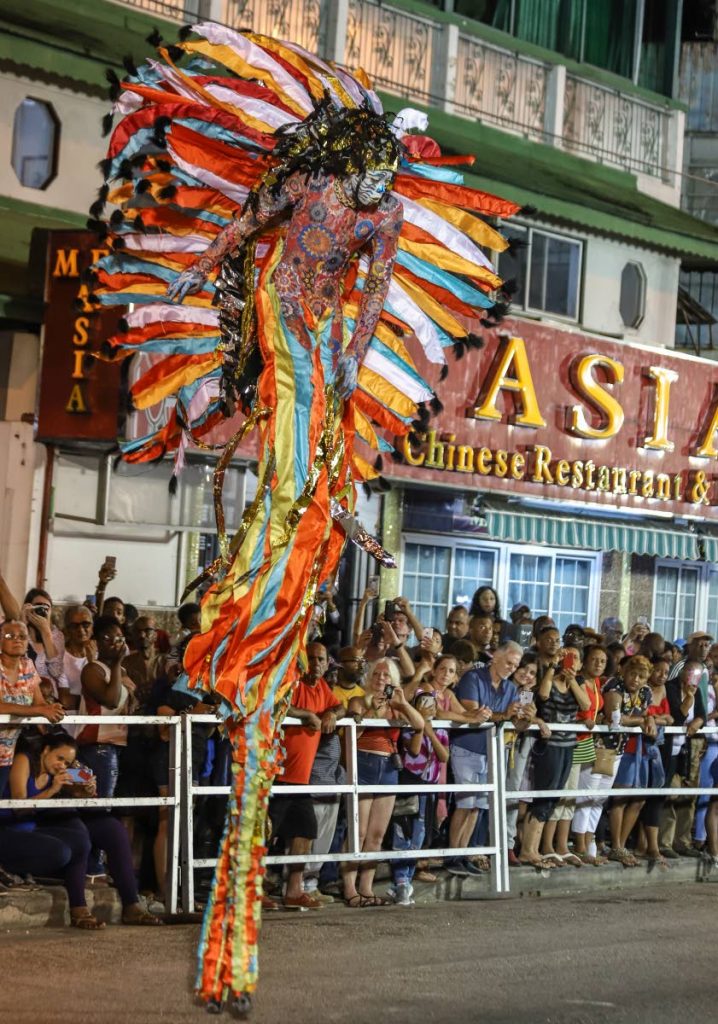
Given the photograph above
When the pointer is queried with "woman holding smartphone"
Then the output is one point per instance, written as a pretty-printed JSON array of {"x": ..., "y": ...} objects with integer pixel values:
[
  {"x": 47, "y": 842},
  {"x": 377, "y": 758},
  {"x": 559, "y": 698}
]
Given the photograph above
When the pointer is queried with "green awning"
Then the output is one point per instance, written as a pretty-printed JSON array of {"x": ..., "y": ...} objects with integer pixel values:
[
  {"x": 709, "y": 546},
  {"x": 593, "y": 534}
]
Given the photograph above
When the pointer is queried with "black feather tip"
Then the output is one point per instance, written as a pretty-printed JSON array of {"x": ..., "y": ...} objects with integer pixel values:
[
  {"x": 173, "y": 484},
  {"x": 154, "y": 38},
  {"x": 366, "y": 489},
  {"x": 164, "y": 165},
  {"x": 107, "y": 124},
  {"x": 168, "y": 192},
  {"x": 122, "y": 325},
  {"x": 444, "y": 372},
  {"x": 515, "y": 246},
  {"x": 117, "y": 218},
  {"x": 510, "y": 287},
  {"x": 382, "y": 484},
  {"x": 107, "y": 350},
  {"x": 105, "y": 166},
  {"x": 528, "y": 211},
  {"x": 142, "y": 186},
  {"x": 137, "y": 223},
  {"x": 96, "y": 209},
  {"x": 175, "y": 53},
  {"x": 459, "y": 347},
  {"x": 474, "y": 341},
  {"x": 378, "y": 463},
  {"x": 436, "y": 405},
  {"x": 396, "y": 455},
  {"x": 130, "y": 66},
  {"x": 125, "y": 170},
  {"x": 98, "y": 226},
  {"x": 185, "y": 32},
  {"x": 119, "y": 243}
]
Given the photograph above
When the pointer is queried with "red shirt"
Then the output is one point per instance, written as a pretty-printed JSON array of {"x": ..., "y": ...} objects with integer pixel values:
[{"x": 301, "y": 743}]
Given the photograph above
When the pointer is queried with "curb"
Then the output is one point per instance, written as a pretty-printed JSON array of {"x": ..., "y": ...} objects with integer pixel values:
[{"x": 21, "y": 910}]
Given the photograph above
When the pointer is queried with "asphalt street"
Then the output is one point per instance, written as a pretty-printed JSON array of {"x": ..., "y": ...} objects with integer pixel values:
[{"x": 594, "y": 959}]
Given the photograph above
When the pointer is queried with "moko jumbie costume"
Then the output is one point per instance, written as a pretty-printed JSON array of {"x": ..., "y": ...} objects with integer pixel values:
[{"x": 282, "y": 243}]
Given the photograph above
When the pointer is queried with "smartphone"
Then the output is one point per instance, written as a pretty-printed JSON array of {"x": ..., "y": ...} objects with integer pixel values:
[
  {"x": 389, "y": 691},
  {"x": 427, "y": 634},
  {"x": 81, "y": 774},
  {"x": 373, "y": 585},
  {"x": 568, "y": 662},
  {"x": 377, "y": 634},
  {"x": 89, "y": 598},
  {"x": 525, "y": 697},
  {"x": 111, "y": 561},
  {"x": 389, "y": 610}
]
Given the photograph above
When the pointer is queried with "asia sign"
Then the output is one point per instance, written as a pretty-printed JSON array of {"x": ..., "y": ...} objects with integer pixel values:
[
  {"x": 79, "y": 394},
  {"x": 558, "y": 414}
]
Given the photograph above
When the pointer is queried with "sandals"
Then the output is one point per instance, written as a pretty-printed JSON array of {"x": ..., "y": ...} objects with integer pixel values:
[
  {"x": 354, "y": 901},
  {"x": 572, "y": 859},
  {"x": 143, "y": 919},
  {"x": 595, "y": 862},
  {"x": 425, "y": 876},
  {"x": 359, "y": 900},
  {"x": 554, "y": 857},
  {"x": 623, "y": 857},
  {"x": 86, "y": 922},
  {"x": 540, "y": 863}
]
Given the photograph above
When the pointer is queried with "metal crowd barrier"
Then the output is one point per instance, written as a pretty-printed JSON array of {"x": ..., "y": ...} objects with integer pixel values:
[
  {"x": 181, "y": 860},
  {"x": 351, "y": 790}
]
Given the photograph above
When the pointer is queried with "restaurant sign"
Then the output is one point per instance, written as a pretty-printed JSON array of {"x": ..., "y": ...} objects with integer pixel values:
[
  {"x": 559, "y": 414},
  {"x": 79, "y": 394}
]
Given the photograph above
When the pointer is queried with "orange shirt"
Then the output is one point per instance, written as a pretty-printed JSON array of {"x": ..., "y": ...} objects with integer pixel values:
[{"x": 301, "y": 743}]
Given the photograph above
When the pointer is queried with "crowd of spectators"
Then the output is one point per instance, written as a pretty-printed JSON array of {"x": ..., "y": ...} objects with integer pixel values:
[{"x": 422, "y": 680}]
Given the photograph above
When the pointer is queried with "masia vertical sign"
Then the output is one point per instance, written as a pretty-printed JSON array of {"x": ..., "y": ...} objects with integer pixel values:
[{"x": 79, "y": 393}]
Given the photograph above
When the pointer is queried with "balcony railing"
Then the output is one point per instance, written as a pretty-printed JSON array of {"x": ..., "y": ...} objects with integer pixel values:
[{"x": 435, "y": 63}]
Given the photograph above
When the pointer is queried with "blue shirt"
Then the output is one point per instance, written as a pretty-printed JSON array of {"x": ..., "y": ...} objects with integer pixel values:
[{"x": 476, "y": 685}]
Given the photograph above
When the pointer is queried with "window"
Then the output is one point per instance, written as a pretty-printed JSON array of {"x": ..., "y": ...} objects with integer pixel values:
[
  {"x": 712, "y": 612},
  {"x": 547, "y": 272},
  {"x": 675, "y": 604},
  {"x": 632, "y": 301},
  {"x": 697, "y": 310},
  {"x": 439, "y": 572},
  {"x": 35, "y": 136}
]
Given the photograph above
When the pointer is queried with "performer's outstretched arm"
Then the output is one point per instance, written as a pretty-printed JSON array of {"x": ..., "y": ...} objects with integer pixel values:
[
  {"x": 376, "y": 285},
  {"x": 238, "y": 231}
]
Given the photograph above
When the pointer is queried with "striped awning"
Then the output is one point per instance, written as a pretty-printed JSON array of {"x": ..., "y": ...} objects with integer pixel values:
[
  {"x": 596, "y": 535},
  {"x": 709, "y": 547}
]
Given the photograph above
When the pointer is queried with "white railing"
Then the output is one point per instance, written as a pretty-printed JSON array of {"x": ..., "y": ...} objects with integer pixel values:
[
  {"x": 352, "y": 790},
  {"x": 181, "y": 859},
  {"x": 615, "y": 128},
  {"x": 500, "y": 87}
]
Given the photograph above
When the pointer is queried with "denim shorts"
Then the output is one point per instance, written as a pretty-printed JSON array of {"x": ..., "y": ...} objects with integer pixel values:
[
  {"x": 375, "y": 770},
  {"x": 469, "y": 767}
]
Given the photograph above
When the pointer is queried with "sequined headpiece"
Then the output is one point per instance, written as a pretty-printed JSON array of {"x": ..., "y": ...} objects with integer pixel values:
[{"x": 332, "y": 141}]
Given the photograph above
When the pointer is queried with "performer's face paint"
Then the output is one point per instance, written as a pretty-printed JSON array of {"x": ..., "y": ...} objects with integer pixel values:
[{"x": 372, "y": 185}]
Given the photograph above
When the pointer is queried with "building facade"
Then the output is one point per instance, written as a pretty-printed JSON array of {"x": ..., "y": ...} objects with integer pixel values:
[{"x": 589, "y": 136}]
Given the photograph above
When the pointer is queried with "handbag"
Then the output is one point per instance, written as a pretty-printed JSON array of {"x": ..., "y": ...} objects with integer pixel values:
[{"x": 605, "y": 762}]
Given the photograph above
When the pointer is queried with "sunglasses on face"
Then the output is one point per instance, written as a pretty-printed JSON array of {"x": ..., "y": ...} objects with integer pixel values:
[
  {"x": 113, "y": 639},
  {"x": 81, "y": 625},
  {"x": 15, "y": 636}
]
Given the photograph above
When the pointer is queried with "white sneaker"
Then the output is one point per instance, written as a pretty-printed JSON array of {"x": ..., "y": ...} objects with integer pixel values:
[{"x": 403, "y": 894}]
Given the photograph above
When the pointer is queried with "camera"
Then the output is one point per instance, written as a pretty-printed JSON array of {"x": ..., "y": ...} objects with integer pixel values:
[
  {"x": 41, "y": 609},
  {"x": 389, "y": 691}
]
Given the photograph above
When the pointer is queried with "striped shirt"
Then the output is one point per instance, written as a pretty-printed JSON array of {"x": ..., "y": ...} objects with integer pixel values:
[{"x": 559, "y": 707}]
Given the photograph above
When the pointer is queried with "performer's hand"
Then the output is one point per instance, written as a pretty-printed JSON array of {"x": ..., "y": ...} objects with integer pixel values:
[
  {"x": 187, "y": 283},
  {"x": 347, "y": 372}
]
